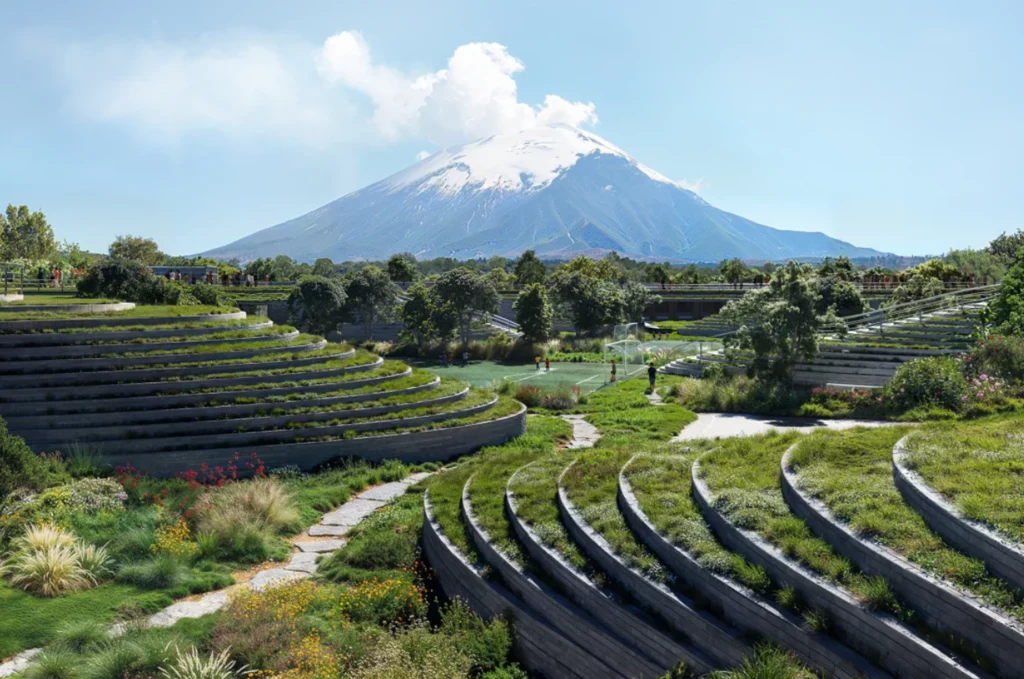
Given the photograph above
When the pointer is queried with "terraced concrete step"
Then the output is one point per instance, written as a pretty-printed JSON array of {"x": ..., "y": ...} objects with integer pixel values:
[
  {"x": 81, "y": 350},
  {"x": 112, "y": 320},
  {"x": 48, "y": 339}
]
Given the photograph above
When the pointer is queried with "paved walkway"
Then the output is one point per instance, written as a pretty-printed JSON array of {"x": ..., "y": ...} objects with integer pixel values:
[
  {"x": 726, "y": 425},
  {"x": 584, "y": 434},
  {"x": 324, "y": 538}
]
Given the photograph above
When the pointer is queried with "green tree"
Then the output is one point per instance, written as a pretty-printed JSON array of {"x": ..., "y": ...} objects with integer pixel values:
[
  {"x": 286, "y": 268},
  {"x": 657, "y": 273},
  {"x": 402, "y": 268},
  {"x": 778, "y": 323},
  {"x": 1005, "y": 314},
  {"x": 71, "y": 255},
  {"x": 317, "y": 304},
  {"x": 463, "y": 292},
  {"x": 417, "y": 315},
  {"x": 262, "y": 268},
  {"x": 636, "y": 299},
  {"x": 919, "y": 286},
  {"x": 1005, "y": 247},
  {"x": 733, "y": 271},
  {"x": 528, "y": 269},
  {"x": 841, "y": 295},
  {"x": 501, "y": 279},
  {"x": 323, "y": 267},
  {"x": 841, "y": 267},
  {"x": 533, "y": 312},
  {"x": 25, "y": 235},
  {"x": 589, "y": 301},
  {"x": 372, "y": 297},
  {"x": 980, "y": 265},
  {"x": 136, "y": 249}
]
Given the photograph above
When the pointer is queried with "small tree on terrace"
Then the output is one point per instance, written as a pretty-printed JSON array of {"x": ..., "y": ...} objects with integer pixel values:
[
  {"x": 589, "y": 301},
  {"x": 1006, "y": 313},
  {"x": 533, "y": 313},
  {"x": 636, "y": 298},
  {"x": 733, "y": 271},
  {"x": 136, "y": 249},
  {"x": 402, "y": 268},
  {"x": 657, "y": 273},
  {"x": 417, "y": 315},
  {"x": 372, "y": 297},
  {"x": 778, "y": 323},
  {"x": 463, "y": 292},
  {"x": 317, "y": 304},
  {"x": 528, "y": 269}
]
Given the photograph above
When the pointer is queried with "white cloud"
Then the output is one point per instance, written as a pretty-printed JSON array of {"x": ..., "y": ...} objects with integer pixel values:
[
  {"x": 423, "y": 155},
  {"x": 475, "y": 96},
  {"x": 258, "y": 87}
]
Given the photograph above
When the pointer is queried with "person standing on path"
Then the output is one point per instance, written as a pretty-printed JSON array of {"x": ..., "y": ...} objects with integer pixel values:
[
  {"x": 613, "y": 370},
  {"x": 465, "y": 358},
  {"x": 652, "y": 373},
  {"x": 537, "y": 361},
  {"x": 547, "y": 364}
]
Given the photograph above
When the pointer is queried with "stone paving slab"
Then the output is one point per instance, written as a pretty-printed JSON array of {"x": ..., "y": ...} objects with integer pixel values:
[
  {"x": 319, "y": 531},
  {"x": 725, "y": 425},
  {"x": 303, "y": 562},
  {"x": 211, "y": 603},
  {"x": 274, "y": 577},
  {"x": 415, "y": 478},
  {"x": 385, "y": 492},
  {"x": 321, "y": 546},
  {"x": 584, "y": 434},
  {"x": 19, "y": 662},
  {"x": 350, "y": 513}
]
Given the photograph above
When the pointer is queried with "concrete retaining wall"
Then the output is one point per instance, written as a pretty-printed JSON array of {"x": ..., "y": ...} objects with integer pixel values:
[
  {"x": 740, "y": 605},
  {"x": 939, "y": 605},
  {"x": 63, "y": 352},
  {"x": 626, "y": 621},
  {"x": 537, "y": 647},
  {"x": 283, "y": 434},
  {"x": 617, "y": 659},
  {"x": 433, "y": 445},
  {"x": 68, "y": 369},
  {"x": 204, "y": 412},
  {"x": 1003, "y": 558},
  {"x": 722, "y": 643},
  {"x": 189, "y": 377},
  {"x": 12, "y": 297},
  {"x": 108, "y": 398},
  {"x": 69, "y": 308},
  {"x": 67, "y": 323},
  {"x": 64, "y": 339},
  {"x": 880, "y": 638},
  {"x": 215, "y": 425}
]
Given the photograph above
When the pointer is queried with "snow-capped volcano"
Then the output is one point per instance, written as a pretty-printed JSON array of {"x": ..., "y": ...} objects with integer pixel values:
[{"x": 556, "y": 189}]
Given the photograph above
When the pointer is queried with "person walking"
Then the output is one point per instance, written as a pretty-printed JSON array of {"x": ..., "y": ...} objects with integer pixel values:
[
  {"x": 652, "y": 373},
  {"x": 547, "y": 364},
  {"x": 444, "y": 359},
  {"x": 536, "y": 360},
  {"x": 465, "y": 358},
  {"x": 613, "y": 370}
]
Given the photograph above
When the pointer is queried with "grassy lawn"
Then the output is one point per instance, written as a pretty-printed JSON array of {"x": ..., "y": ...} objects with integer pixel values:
[
  {"x": 977, "y": 466},
  {"x": 156, "y": 311},
  {"x": 57, "y": 299},
  {"x": 851, "y": 472}
]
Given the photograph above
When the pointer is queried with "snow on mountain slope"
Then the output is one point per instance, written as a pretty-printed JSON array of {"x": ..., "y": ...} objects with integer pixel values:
[{"x": 555, "y": 189}]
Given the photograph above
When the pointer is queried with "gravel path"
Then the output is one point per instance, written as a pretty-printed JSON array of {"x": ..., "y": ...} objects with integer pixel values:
[{"x": 726, "y": 425}]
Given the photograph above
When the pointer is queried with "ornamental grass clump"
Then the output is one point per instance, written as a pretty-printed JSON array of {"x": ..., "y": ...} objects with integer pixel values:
[
  {"x": 51, "y": 561},
  {"x": 191, "y": 665},
  {"x": 246, "y": 519}
]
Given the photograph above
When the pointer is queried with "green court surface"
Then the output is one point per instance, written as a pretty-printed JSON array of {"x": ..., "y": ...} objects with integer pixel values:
[{"x": 587, "y": 376}]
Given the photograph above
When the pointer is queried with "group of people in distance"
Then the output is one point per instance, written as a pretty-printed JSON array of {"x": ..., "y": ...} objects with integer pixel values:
[
  {"x": 51, "y": 278},
  {"x": 447, "y": 361}
]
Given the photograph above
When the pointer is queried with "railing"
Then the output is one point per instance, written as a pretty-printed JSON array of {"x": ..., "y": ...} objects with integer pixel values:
[
  {"x": 918, "y": 308},
  {"x": 13, "y": 277}
]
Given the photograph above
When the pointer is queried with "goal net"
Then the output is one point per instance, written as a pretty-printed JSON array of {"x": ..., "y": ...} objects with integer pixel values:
[{"x": 625, "y": 349}]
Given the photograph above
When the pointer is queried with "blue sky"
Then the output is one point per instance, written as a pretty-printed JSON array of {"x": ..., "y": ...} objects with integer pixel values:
[{"x": 894, "y": 125}]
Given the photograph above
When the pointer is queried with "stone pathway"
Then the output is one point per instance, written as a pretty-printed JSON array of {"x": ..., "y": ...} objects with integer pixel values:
[
  {"x": 584, "y": 434},
  {"x": 655, "y": 398},
  {"x": 323, "y": 539},
  {"x": 726, "y": 425}
]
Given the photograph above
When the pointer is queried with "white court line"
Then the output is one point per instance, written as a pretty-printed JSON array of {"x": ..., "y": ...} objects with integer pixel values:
[
  {"x": 593, "y": 377},
  {"x": 535, "y": 374}
]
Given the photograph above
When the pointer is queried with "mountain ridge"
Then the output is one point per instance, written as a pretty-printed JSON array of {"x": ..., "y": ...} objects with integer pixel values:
[{"x": 555, "y": 189}]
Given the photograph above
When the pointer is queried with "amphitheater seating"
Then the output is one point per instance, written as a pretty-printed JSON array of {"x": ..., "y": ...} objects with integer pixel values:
[
  {"x": 587, "y": 604},
  {"x": 167, "y": 392}
]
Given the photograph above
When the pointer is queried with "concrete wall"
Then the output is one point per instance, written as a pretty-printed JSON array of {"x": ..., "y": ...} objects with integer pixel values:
[
  {"x": 12, "y": 297},
  {"x": 939, "y": 605},
  {"x": 433, "y": 445},
  {"x": 212, "y": 424},
  {"x": 125, "y": 444},
  {"x": 740, "y": 605},
  {"x": 878, "y": 637},
  {"x": 113, "y": 320},
  {"x": 1003, "y": 558},
  {"x": 633, "y": 626},
  {"x": 68, "y": 308},
  {"x": 130, "y": 345},
  {"x": 721, "y": 644},
  {"x": 537, "y": 646},
  {"x": 208, "y": 412},
  {"x": 611, "y": 657}
]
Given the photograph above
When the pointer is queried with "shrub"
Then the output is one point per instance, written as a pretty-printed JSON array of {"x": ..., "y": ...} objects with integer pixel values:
[
  {"x": 510, "y": 672},
  {"x": 383, "y": 601},
  {"x": 529, "y": 395},
  {"x": 158, "y": 572},
  {"x": 714, "y": 371},
  {"x": 54, "y": 663},
  {"x": 488, "y": 644},
  {"x": 936, "y": 380},
  {"x": 209, "y": 295},
  {"x": 561, "y": 398},
  {"x": 130, "y": 281},
  {"x": 83, "y": 461},
  {"x": 1002, "y": 356},
  {"x": 48, "y": 572},
  {"x": 82, "y": 635},
  {"x": 174, "y": 541},
  {"x": 498, "y": 347},
  {"x": 21, "y": 468},
  {"x": 93, "y": 560}
]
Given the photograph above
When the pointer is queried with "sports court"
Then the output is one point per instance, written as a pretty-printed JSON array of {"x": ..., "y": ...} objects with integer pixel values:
[{"x": 587, "y": 376}]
